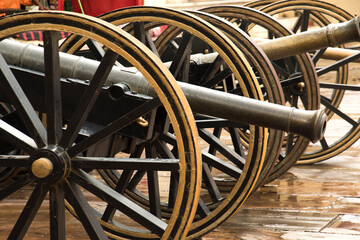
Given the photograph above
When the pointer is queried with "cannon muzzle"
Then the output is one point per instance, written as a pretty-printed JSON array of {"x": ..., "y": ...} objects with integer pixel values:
[{"x": 310, "y": 124}]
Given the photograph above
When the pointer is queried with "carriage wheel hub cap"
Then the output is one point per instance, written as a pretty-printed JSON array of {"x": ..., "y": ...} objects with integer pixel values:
[
  {"x": 50, "y": 164},
  {"x": 42, "y": 167}
]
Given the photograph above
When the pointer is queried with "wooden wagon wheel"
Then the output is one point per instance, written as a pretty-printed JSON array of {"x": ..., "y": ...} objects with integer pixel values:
[
  {"x": 335, "y": 87},
  {"x": 215, "y": 206},
  {"x": 303, "y": 94},
  {"x": 258, "y": 4},
  {"x": 52, "y": 154},
  {"x": 268, "y": 80}
]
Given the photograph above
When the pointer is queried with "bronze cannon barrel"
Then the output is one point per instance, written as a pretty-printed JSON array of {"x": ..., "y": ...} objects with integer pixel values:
[
  {"x": 340, "y": 53},
  {"x": 331, "y": 53},
  {"x": 310, "y": 124},
  {"x": 327, "y": 37},
  {"x": 330, "y": 36}
]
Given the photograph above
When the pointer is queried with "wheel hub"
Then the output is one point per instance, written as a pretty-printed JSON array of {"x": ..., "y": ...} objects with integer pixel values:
[
  {"x": 42, "y": 167},
  {"x": 50, "y": 164}
]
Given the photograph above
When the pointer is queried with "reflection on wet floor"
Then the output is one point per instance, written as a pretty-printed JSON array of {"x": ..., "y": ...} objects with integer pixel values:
[
  {"x": 39, "y": 229},
  {"x": 319, "y": 201}
]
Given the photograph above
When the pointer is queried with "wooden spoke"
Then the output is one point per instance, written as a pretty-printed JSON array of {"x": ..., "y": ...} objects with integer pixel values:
[
  {"x": 340, "y": 86},
  {"x": 22, "y": 104},
  {"x": 305, "y": 20},
  {"x": 136, "y": 179},
  {"x": 126, "y": 163},
  {"x": 202, "y": 209},
  {"x": 165, "y": 152},
  {"x": 57, "y": 212},
  {"x": 211, "y": 71},
  {"x": 120, "y": 202},
  {"x": 223, "y": 166},
  {"x": 211, "y": 184},
  {"x": 244, "y": 25},
  {"x": 182, "y": 55},
  {"x": 16, "y": 137},
  {"x": 96, "y": 49},
  {"x": 15, "y": 186},
  {"x": 153, "y": 183},
  {"x": 337, "y": 64},
  {"x": 27, "y": 215},
  {"x": 327, "y": 102},
  {"x": 173, "y": 188},
  {"x": 218, "y": 78},
  {"x": 236, "y": 139},
  {"x": 154, "y": 194},
  {"x": 14, "y": 160},
  {"x": 88, "y": 99},
  {"x": 324, "y": 144},
  {"x": 222, "y": 148},
  {"x": 83, "y": 210},
  {"x": 144, "y": 36},
  {"x": 302, "y": 22},
  {"x": 290, "y": 142},
  {"x": 217, "y": 134},
  {"x": 52, "y": 87},
  {"x": 120, "y": 188},
  {"x": 318, "y": 54}
]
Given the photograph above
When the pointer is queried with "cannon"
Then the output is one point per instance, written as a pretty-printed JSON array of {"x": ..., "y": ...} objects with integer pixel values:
[
  {"x": 47, "y": 135},
  {"x": 331, "y": 94},
  {"x": 310, "y": 124},
  {"x": 296, "y": 146},
  {"x": 332, "y": 67},
  {"x": 295, "y": 91},
  {"x": 299, "y": 91},
  {"x": 151, "y": 136}
]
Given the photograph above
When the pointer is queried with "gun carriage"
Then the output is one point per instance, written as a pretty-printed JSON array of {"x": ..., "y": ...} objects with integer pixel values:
[
  {"x": 332, "y": 67},
  {"x": 146, "y": 126},
  {"x": 288, "y": 70},
  {"x": 296, "y": 92}
]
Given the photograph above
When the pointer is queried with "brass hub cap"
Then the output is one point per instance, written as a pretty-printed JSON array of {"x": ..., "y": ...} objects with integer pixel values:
[
  {"x": 42, "y": 167},
  {"x": 50, "y": 164}
]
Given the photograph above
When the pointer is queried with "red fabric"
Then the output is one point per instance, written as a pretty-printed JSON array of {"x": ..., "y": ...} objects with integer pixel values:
[
  {"x": 37, "y": 35},
  {"x": 96, "y": 7},
  {"x": 60, "y": 5}
]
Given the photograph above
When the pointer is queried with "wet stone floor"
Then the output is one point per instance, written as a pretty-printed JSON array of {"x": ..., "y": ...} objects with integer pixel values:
[{"x": 319, "y": 201}]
